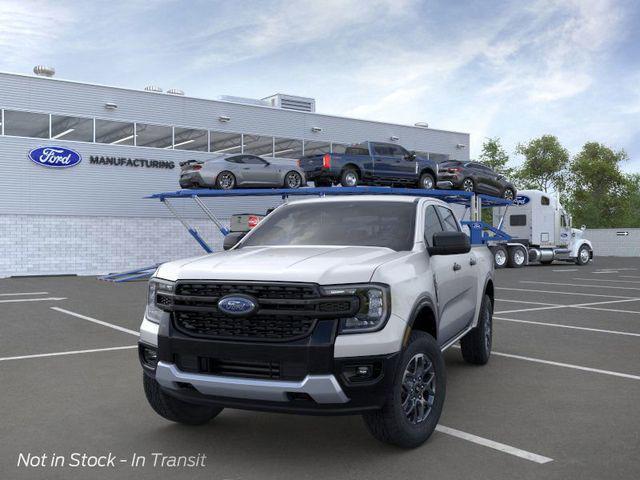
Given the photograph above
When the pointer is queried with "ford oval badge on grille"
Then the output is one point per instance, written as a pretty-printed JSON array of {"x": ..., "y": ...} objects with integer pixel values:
[{"x": 237, "y": 305}]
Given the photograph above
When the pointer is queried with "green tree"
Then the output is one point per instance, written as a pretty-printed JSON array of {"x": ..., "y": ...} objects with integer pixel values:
[
  {"x": 494, "y": 156},
  {"x": 600, "y": 194},
  {"x": 545, "y": 164}
]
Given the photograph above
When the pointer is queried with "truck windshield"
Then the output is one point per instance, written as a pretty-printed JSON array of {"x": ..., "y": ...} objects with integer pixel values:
[{"x": 359, "y": 223}]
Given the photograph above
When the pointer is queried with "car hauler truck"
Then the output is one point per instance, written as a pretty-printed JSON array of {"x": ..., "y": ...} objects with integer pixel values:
[{"x": 540, "y": 231}]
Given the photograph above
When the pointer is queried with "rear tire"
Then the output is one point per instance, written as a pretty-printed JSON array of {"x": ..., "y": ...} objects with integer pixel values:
[
  {"x": 500, "y": 256},
  {"x": 174, "y": 409},
  {"x": 414, "y": 404},
  {"x": 349, "y": 177},
  {"x": 476, "y": 344},
  {"x": 468, "y": 185},
  {"x": 517, "y": 257},
  {"x": 292, "y": 180},
  {"x": 226, "y": 180}
]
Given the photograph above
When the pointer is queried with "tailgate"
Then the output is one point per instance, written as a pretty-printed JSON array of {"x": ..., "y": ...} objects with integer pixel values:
[{"x": 315, "y": 163}]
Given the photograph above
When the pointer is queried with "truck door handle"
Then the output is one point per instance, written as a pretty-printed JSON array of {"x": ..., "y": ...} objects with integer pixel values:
[
  {"x": 456, "y": 267},
  {"x": 472, "y": 261}
]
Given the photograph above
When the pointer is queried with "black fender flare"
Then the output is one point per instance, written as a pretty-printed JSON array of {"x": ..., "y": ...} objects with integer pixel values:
[{"x": 424, "y": 300}]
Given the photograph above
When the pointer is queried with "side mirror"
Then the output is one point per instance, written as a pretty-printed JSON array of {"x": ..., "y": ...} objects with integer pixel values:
[
  {"x": 410, "y": 156},
  {"x": 449, "y": 243},
  {"x": 232, "y": 239}
]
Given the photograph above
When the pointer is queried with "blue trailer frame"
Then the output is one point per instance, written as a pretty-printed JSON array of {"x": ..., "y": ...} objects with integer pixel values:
[{"x": 480, "y": 232}]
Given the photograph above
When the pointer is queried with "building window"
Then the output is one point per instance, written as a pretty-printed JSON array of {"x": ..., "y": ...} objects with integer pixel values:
[
  {"x": 157, "y": 136},
  {"x": 316, "y": 148},
  {"x": 287, "y": 148},
  {"x": 225, "y": 142},
  {"x": 258, "y": 145},
  {"x": 190, "y": 139},
  {"x": 338, "y": 147},
  {"x": 115, "y": 133},
  {"x": 26, "y": 124},
  {"x": 71, "y": 128}
]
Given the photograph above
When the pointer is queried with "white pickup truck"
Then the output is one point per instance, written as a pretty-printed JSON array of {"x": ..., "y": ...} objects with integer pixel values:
[{"x": 336, "y": 305}]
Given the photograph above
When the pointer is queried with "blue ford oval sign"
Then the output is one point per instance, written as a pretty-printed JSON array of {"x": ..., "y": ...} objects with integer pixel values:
[
  {"x": 236, "y": 305},
  {"x": 521, "y": 200},
  {"x": 55, "y": 157}
]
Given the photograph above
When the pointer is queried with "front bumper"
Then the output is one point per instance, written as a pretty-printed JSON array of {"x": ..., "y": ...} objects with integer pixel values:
[{"x": 309, "y": 380}]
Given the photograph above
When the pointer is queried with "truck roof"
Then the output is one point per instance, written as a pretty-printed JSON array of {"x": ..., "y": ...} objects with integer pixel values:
[{"x": 367, "y": 198}]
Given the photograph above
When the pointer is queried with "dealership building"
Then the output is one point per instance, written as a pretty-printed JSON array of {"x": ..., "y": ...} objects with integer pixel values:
[{"x": 92, "y": 218}]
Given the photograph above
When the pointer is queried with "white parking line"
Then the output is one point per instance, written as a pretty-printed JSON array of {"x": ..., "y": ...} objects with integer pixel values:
[
  {"x": 629, "y": 276},
  {"x": 576, "y": 305},
  {"x": 26, "y": 293},
  {"x": 72, "y": 352},
  {"x": 522, "y": 301},
  {"x": 561, "y": 293},
  {"x": 19, "y": 300},
  {"x": 581, "y": 285},
  {"x": 634, "y": 312},
  {"x": 95, "y": 320},
  {"x": 606, "y": 280},
  {"x": 572, "y": 327},
  {"x": 566, "y": 270},
  {"x": 568, "y": 365},
  {"x": 485, "y": 442}
]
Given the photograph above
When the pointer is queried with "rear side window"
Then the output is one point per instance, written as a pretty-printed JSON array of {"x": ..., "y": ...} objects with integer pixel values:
[
  {"x": 544, "y": 200},
  {"x": 383, "y": 150},
  {"x": 517, "y": 220},
  {"x": 238, "y": 159},
  {"x": 431, "y": 224},
  {"x": 357, "y": 151},
  {"x": 449, "y": 222}
]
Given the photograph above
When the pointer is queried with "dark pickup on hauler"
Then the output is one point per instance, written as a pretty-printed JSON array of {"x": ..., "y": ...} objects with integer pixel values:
[{"x": 371, "y": 163}]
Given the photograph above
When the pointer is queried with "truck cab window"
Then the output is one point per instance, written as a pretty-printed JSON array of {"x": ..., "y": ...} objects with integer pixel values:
[
  {"x": 449, "y": 222},
  {"x": 431, "y": 225},
  {"x": 544, "y": 200}
]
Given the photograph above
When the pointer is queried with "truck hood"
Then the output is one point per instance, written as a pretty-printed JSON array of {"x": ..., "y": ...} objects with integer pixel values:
[{"x": 322, "y": 265}]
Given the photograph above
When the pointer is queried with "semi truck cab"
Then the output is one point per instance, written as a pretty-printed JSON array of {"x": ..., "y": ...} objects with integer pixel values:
[{"x": 541, "y": 228}]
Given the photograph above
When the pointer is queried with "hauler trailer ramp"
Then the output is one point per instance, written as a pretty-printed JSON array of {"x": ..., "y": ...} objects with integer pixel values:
[{"x": 540, "y": 231}]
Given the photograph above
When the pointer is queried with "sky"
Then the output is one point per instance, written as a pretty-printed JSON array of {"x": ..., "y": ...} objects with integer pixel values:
[{"x": 509, "y": 69}]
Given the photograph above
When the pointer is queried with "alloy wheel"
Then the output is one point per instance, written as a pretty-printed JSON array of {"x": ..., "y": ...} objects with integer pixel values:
[
  {"x": 500, "y": 257},
  {"x": 351, "y": 179},
  {"x": 467, "y": 185},
  {"x": 508, "y": 194},
  {"x": 584, "y": 255},
  {"x": 518, "y": 257},
  {"x": 293, "y": 180},
  {"x": 226, "y": 181},
  {"x": 427, "y": 182},
  {"x": 418, "y": 389}
]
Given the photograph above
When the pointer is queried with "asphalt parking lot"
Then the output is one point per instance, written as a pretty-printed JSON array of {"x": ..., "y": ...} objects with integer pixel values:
[{"x": 558, "y": 399}]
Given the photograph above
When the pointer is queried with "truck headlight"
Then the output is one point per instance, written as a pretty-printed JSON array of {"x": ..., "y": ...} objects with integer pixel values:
[
  {"x": 156, "y": 286},
  {"x": 373, "y": 313}
]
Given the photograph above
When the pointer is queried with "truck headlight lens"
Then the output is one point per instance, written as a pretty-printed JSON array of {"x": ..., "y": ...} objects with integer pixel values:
[
  {"x": 156, "y": 286},
  {"x": 374, "y": 308}
]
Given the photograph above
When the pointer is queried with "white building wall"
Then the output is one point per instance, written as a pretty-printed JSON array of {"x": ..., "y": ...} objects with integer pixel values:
[{"x": 612, "y": 242}]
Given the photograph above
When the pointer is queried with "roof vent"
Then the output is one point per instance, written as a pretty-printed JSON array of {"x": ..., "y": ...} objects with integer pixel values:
[
  {"x": 244, "y": 100},
  {"x": 153, "y": 88},
  {"x": 291, "y": 102},
  {"x": 422, "y": 124},
  {"x": 43, "y": 71},
  {"x": 175, "y": 91}
]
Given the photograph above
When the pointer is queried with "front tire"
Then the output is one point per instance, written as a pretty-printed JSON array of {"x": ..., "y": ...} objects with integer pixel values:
[
  {"x": 349, "y": 178},
  {"x": 226, "y": 180},
  {"x": 584, "y": 255},
  {"x": 476, "y": 344},
  {"x": 427, "y": 181},
  {"x": 174, "y": 409},
  {"x": 415, "y": 401},
  {"x": 508, "y": 194}
]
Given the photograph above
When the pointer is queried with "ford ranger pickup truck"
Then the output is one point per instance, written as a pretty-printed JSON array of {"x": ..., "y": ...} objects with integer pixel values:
[
  {"x": 371, "y": 163},
  {"x": 334, "y": 305}
]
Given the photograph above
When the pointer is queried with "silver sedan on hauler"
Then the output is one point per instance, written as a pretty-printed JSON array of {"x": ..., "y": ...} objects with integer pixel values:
[{"x": 241, "y": 170}]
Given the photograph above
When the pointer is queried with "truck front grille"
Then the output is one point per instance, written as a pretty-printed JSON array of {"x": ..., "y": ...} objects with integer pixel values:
[
  {"x": 258, "y": 328},
  {"x": 285, "y": 311}
]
